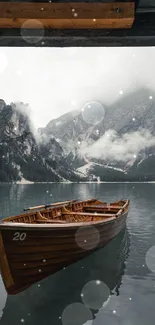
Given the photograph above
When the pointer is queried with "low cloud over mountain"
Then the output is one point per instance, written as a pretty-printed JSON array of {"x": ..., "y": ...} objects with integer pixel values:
[{"x": 111, "y": 146}]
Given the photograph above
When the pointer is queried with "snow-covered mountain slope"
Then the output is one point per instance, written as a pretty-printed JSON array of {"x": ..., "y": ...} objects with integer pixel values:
[
  {"x": 123, "y": 138},
  {"x": 106, "y": 173},
  {"x": 127, "y": 114},
  {"x": 121, "y": 146},
  {"x": 25, "y": 156},
  {"x": 69, "y": 130}
]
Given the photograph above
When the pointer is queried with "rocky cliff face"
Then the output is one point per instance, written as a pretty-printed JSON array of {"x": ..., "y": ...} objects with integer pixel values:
[
  {"x": 121, "y": 146},
  {"x": 23, "y": 155},
  {"x": 115, "y": 143}
]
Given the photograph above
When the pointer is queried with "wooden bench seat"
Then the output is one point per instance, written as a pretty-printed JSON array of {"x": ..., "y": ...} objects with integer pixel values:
[
  {"x": 88, "y": 214},
  {"x": 100, "y": 207},
  {"x": 51, "y": 221}
]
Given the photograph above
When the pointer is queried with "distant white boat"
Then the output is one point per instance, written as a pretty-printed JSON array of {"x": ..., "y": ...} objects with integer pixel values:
[{"x": 98, "y": 180}]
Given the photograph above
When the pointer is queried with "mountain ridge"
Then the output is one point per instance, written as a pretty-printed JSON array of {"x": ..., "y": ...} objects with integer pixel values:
[{"x": 120, "y": 147}]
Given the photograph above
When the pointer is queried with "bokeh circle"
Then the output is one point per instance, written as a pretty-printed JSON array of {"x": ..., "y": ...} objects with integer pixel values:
[
  {"x": 76, "y": 314},
  {"x": 150, "y": 258},
  {"x": 87, "y": 237},
  {"x": 93, "y": 113},
  {"x": 3, "y": 297},
  {"x": 32, "y": 35},
  {"x": 95, "y": 294}
]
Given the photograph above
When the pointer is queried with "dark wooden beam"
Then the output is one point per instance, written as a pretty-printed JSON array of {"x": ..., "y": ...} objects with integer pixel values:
[
  {"x": 79, "y": 15},
  {"x": 142, "y": 33}
]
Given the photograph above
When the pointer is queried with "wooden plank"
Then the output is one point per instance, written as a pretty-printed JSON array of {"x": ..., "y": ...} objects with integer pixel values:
[
  {"x": 142, "y": 33},
  {"x": 87, "y": 214},
  {"x": 4, "y": 266},
  {"x": 67, "y": 15},
  {"x": 51, "y": 221},
  {"x": 107, "y": 207}
]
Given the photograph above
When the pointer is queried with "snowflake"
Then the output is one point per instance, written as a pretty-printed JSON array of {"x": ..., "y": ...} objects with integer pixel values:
[{"x": 98, "y": 282}]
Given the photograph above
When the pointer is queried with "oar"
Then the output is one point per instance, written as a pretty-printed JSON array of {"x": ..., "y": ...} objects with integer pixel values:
[{"x": 48, "y": 205}]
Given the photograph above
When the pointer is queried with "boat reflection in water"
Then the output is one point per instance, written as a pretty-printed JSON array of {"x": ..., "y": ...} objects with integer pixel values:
[{"x": 44, "y": 302}]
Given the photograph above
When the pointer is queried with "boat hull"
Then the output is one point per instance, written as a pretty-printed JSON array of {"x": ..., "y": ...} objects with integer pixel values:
[{"x": 30, "y": 252}]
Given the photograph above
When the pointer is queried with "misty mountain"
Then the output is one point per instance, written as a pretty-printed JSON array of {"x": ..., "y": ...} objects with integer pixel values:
[
  {"x": 23, "y": 155},
  {"x": 115, "y": 143},
  {"x": 121, "y": 146}
]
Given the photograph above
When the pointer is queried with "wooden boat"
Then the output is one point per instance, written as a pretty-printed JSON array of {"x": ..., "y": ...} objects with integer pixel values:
[
  {"x": 39, "y": 243},
  {"x": 107, "y": 265}
]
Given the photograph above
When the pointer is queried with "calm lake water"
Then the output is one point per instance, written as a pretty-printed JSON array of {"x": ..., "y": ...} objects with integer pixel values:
[{"x": 126, "y": 266}]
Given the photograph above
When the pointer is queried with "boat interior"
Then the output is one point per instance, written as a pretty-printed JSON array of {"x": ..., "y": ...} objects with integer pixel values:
[{"x": 74, "y": 211}]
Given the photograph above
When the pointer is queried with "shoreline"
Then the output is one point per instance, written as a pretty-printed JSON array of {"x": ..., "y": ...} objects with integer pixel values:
[{"x": 69, "y": 182}]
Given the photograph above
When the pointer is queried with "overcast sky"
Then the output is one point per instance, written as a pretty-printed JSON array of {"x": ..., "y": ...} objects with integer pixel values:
[{"x": 56, "y": 80}]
